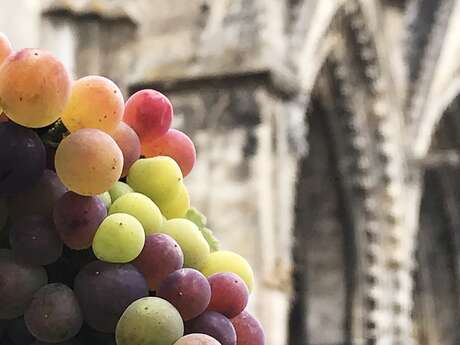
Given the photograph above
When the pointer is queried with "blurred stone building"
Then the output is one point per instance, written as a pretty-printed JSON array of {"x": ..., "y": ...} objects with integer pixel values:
[{"x": 328, "y": 145}]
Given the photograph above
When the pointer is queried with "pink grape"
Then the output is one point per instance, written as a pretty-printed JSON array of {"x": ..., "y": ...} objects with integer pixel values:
[
  {"x": 176, "y": 145},
  {"x": 229, "y": 294},
  {"x": 197, "y": 339},
  {"x": 188, "y": 290},
  {"x": 129, "y": 144},
  {"x": 149, "y": 113},
  {"x": 160, "y": 256},
  {"x": 248, "y": 329}
]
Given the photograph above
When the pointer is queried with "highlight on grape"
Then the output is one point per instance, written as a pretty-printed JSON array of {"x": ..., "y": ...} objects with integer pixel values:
[{"x": 99, "y": 242}]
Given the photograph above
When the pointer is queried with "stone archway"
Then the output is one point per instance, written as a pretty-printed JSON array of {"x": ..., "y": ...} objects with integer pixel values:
[{"x": 437, "y": 301}]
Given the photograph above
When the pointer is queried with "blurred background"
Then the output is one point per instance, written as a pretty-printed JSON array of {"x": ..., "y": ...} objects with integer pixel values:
[{"x": 327, "y": 134}]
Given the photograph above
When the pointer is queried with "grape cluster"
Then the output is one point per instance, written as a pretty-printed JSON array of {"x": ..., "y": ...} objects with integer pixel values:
[{"x": 99, "y": 244}]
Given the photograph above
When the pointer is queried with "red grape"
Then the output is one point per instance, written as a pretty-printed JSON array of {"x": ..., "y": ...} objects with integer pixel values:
[
  {"x": 129, "y": 144},
  {"x": 215, "y": 325},
  {"x": 188, "y": 290},
  {"x": 77, "y": 218},
  {"x": 248, "y": 329},
  {"x": 160, "y": 256},
  {"x": 176, "y": 145},
  {"x": 229, "y": 294},
  {"x": 149, "y": 113},
  {"x": 34, "y": 240}
]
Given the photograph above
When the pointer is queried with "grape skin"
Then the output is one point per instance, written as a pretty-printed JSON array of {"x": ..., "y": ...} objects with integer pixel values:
[
  {"x": 88, "y": 161},
  {"x": 5, "y": 47},
  {"x": 77, "y": 219},
  {"x": 149, "y": 321},
  {"x": 119, "y": 239},
  {"x": 22, "y": 158},
  {"x": 188, "y": 290},
  {"x": 119, "y": 189},
  {"x": 105, "y": 290},
  {"x": 34, "y": 87},
  {"x": 23, "y": 280},
  {"x": 128, "y": 141},
  {"x": 248, "y": 329},
  {"x": 149, "y": 113},
  {"x": 34, "y": 240},
  {"x": 174, "y": 144},
  {"x": 229, "y": 294},
  {"x": 140, "y": 207},
  {"x": 215, "y": 325},
  {"x": 197, "y": 339},
  {"x": 54, "y": 314},
  {"x": 226, "y": 261},
  {"x": 194, "y": 246},
  {"x": 178, "y": 206},
  {"x": 95, "y": 102},
  {"x": 160, "y": 256}
]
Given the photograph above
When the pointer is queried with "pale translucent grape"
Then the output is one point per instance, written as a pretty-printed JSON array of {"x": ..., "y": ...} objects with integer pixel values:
[
  {"x": 88, "y": 161},
  {"x": 226, "y": 261},
  {"x": 178, "y": 206},
  {"x": 119, "y": 189},
  {"x": 194, "y": 246},
  {"x": 119, "y": 239},
  {"x": 140, "y": 207},
  {"x": 34, "y": 87},
  {"x": 159, "y": 178},
  {"x": 149, "y": 321},
  {"x": 95, "y": 102},
  {"x": 197, "y": 339}
]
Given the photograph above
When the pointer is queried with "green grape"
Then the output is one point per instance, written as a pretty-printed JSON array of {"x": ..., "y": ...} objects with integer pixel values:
[
  {"x": 119, "y": 189},
  {"x": 106, "y": 199},
  {"x": 194, "y": 246},
  {"x": 119, "y": 239},
  {"x": 176, "y": 207},
  {"x": 226, "y": 261},
  {"x": 140, "y": 207},
  {"x": 3, "y": 213},
  {"x": 149, "y": 321},
  {"x": 200, "y": 220},
  {"x": 159, "y": 178}
]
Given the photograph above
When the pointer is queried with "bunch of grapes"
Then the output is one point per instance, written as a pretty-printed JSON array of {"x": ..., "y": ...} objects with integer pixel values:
[{"x": 99, "y": 244}]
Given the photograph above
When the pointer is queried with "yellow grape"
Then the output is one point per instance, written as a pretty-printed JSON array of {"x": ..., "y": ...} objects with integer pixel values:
[
  {"x": 5, "y": 47},
  {"x": 226, "y": 261},
  {"x": 142, "y": 208},
  {"x": 176, "y": 207},
  {"x": 119, "y": 239},
  {"x": 88, "y": 161},
  {"x": 34, "y": 87},
  {"x": 159, "y": 178},
  {"x": 194, "y": 246},
  {"x": 95, "y": 102}
]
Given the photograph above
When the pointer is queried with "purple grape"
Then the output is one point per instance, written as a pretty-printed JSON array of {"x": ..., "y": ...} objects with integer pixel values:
[
  {"x": 54, "y": 314},
  {"x": 215, "y": 325},
  {"x": 89, "y": 336},
  {"x": 34, "y": 240},
  {"x": 18, "y": 283},
  {"x": 160, "y": 256},
  {"x": 77, "y": 218},
  {"x": 22, "y": 158},
  {"x": 105, "y": 290},
  {"x": 248, "y": 329},
  {"x": 229, "y": 294},
  {"x": 188, "y": 290},
  {"x": 38, "y": 200},
  {"x": 18, "y": 333}
]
